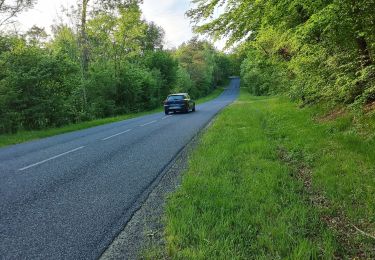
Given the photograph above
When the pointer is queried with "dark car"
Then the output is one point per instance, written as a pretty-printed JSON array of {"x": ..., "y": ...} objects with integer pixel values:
[{"x": 180, "y": 102}]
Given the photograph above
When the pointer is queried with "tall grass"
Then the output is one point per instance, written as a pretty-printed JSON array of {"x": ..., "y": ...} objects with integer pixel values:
[{"x": 242, "y": 199}]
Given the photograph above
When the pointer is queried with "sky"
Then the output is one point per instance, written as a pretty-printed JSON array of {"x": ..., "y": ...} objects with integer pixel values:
[{"x": 169, "y": 14}]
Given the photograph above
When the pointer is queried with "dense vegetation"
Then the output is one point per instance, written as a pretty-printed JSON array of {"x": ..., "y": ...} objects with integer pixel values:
[
  {"x": 300, "y": 183},
  {"x": 313, "y": 51},
  {"x": 273, "y": 181},
  {"x": 107, "y": 61}
]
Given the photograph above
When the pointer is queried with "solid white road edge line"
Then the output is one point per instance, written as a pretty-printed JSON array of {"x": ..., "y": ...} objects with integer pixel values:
[
  {"x": 109, "y": 137},
  {"x": 52, "y": 158},
  {"x": 149, "y": 123}
]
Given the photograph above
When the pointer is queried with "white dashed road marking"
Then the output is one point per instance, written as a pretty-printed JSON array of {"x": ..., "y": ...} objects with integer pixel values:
[
  {"x": 109, "y": 137},
  {"x": 52, "y": 158},
  {"x": 166, "y": 117},
  {"x": 149, "y": 123}
]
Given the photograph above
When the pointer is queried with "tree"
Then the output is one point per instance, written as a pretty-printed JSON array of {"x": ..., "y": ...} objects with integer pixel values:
[
  {"x": 64, "y": 43},
  {"x": 36, "y": 35},
  {"x": 98, "y": 6},
  {"x": 200, "y": 60},
  {"x": 10, "y": 9},
  {"x": 116, "y": 37},
  {"x": 167, "y": 65},
  {"x": 320, "y": 50},
  {"x": 84, "y": 50},
  {"x": 35, "y": 88},
  {"x": 107, "y": 61},
  {"x": 154, "y": 37}
]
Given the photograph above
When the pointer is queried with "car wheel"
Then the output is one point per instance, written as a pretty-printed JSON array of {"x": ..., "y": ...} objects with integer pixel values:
[
  {"x": 166, "y": 112},
  {"x": 193, "y": 108}
]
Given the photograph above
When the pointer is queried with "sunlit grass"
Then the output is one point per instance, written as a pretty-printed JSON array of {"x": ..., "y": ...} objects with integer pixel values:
[{"x": 240, "y": 200}]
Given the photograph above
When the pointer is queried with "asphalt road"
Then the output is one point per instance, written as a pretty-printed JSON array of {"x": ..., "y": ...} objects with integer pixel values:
[{"x": 68, "y": 196}]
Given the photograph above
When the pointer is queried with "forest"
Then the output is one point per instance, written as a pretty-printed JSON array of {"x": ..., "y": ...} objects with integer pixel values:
[
  {"x": 313, "y": 51},
  {"x": 101, "y": 59},
  {"x": 287, "y": 171}
]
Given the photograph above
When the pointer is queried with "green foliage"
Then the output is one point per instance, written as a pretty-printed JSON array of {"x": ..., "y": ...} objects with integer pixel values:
[
  {"x": 183, "y": 81},
  {"x": 36, "y": 89},
  {"x": 167, "y": 66},
  {"x": 262, "y": 76},
  {"x": 205, "y": 66},
  {"x": 113, "y": 63},
  {"x": 24, "y": 136},
  {"x": 138, "y": 88},
  {"x": 154, "y": 37},
  {"x": 311, "y": 50},
  {"x": 64, "y": 43}
]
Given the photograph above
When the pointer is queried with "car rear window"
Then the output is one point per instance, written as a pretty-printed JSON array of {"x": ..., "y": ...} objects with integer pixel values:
[{"x": 177, "y": 97}]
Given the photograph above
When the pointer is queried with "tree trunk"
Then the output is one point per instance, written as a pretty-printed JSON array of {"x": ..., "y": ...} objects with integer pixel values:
[
  {"x": 364, "y": 51},
  {"x": 84, "y": 51},
  {"x": 356, "y": 12}
]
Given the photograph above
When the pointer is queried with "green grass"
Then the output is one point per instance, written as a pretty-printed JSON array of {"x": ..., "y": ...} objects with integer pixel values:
[
  {"x": 24, "y": 136},
  {"x": 252, "y": 187}
]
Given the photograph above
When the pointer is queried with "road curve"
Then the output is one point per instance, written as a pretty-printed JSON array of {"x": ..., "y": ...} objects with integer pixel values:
[{"x": 67, "y": 196}]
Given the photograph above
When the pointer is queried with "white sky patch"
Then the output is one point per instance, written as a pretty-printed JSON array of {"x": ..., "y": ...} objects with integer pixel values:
[
  {"x": 43, "y": 14},
  {"x": 169, "y": 14}
]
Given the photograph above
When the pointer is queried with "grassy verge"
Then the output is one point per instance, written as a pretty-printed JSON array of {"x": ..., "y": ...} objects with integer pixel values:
[
  {"x": 24, "y": 136},
  {"x": 269, "y": 181}
]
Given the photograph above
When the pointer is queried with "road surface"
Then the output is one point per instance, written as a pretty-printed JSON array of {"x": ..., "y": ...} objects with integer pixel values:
[{"x": 68, "y": 196}]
